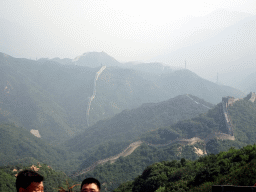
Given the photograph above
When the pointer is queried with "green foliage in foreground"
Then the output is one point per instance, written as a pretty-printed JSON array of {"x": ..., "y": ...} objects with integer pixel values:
[
  {"x": 53, "y": 180},
  {"x": 234, "y": 167}
]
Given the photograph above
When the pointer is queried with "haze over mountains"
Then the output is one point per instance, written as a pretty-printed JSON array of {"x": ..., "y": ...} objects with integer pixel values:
[
  {"x": 202, "y": 41},
  {"x": 60, "y": 93},
  {"x": 91, "y": 108},
  {"x": 232, "y": 49}
]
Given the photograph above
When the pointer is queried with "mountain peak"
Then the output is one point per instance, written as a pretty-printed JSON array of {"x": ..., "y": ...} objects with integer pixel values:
[{"x": 95, "y": 59}]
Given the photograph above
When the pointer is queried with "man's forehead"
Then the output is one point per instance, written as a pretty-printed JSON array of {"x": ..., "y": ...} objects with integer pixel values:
[
  {"x": 89, "y": 186},
  {"x": 36, "y": 185}
]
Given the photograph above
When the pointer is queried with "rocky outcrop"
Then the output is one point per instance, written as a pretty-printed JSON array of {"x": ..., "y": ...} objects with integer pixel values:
[{"x": 35, "y": 133}]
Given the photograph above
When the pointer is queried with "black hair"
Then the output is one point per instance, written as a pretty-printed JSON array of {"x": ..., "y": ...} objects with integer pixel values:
[
  {"x": 89, "y": 181},
  {"x": 26, "y": 177}
]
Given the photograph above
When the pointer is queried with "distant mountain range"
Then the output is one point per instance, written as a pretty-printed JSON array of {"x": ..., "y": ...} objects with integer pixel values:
[
  {"x": 53, "y": 98},
  {"x": 218, "y": 53}
]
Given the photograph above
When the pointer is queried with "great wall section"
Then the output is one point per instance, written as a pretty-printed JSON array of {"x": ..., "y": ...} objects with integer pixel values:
[
  {"x": 94, "y": 94},
  {"x": 226, "y": 102},
  {"x": 127, "y": 151}
]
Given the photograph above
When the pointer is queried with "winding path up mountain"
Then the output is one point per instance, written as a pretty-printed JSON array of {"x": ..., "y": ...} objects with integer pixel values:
[{"x": 94, "y": 93}]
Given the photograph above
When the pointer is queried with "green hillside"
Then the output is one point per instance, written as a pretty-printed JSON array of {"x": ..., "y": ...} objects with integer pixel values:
[
  {"x": 158, "y": 144},
  {"x": 243, "y": 113},
  {"x": 25, "y": 103},
  {"x": 19, "y": 146},
  {"x": 234, "y": 167},
  {"x": 201, "y": 126},
  {"x": 130, "y": 124}
]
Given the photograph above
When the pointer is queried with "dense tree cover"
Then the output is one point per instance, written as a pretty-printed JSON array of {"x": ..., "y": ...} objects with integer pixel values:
[
  {"x": 127, "y": 168},
  {"x": 45, "y": 95},
  {"x": 243, "y": 113},
  {"x": 128, "y": 125},
  {"x": 201, "y": 126},
  {"x": 53, "y": 180},
  {"x": 7, "y": 181},
  {"x": 103, "y": 151},
  {"x": 234, "y": 167},
  {"x": 19, "y": 146}
]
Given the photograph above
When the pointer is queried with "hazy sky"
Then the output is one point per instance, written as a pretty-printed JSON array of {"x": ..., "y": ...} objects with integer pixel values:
[{"x": 127, "y": 30}]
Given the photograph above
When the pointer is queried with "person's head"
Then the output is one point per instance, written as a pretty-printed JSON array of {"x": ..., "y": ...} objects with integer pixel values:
[
  {"x": 90, "y": 184},
  {"x": 29, "y": 181}
]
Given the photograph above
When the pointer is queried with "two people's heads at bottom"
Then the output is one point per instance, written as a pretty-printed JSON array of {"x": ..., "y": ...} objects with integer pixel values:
[{"x": 31, "y": 181}]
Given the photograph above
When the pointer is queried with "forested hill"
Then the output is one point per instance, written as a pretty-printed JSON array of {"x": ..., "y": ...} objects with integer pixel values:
[
  {"x": 234, "y": 167},
  {"x": 127, "y": 168},
  {"x": 19, "y": 146},
  {"x": 43, "y": 96},
  {"x": 130, "y": 124},
  {"x": 158, "y": 145},
  {"x": 240, "y": 112}
]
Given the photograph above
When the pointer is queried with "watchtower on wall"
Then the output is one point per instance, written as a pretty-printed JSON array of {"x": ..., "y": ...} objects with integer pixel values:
[
  {"x": 229, "y": 100},
  {"x": 251, "y": 97}
]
